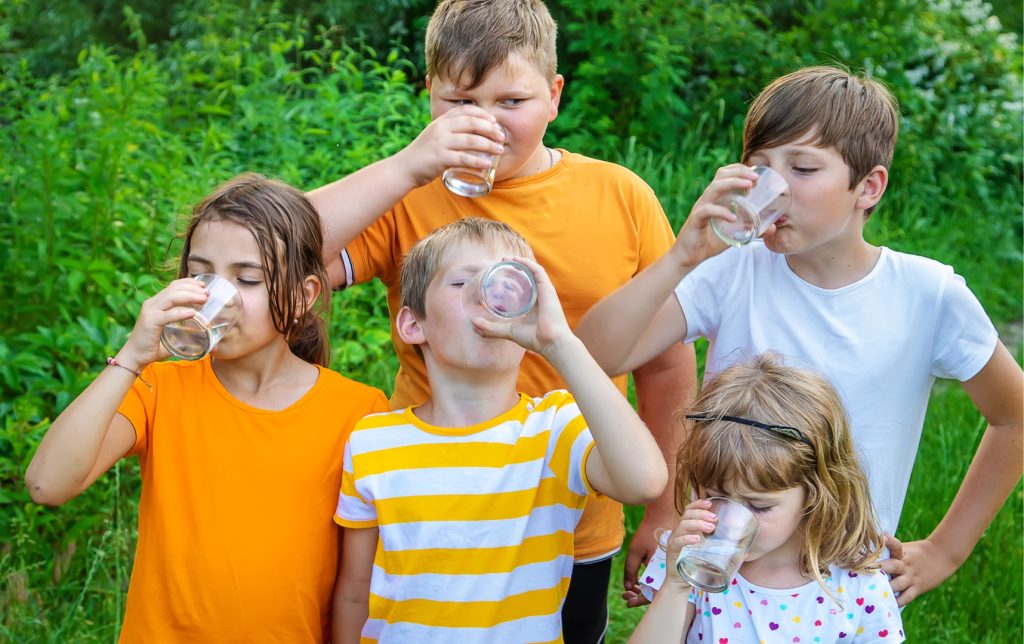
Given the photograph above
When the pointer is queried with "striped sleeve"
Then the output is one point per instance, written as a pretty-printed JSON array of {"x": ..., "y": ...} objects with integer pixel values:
[
  {"x": 570, "y": 442},
  {"x": 354, "y": 510}
]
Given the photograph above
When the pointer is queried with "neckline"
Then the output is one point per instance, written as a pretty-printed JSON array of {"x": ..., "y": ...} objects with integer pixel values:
[
  {"x": 516, "y": 411},
  {"x": 883, "y": 257},
  {"x": 537, "y": 177},
  {"x": 207, "y": 366}
]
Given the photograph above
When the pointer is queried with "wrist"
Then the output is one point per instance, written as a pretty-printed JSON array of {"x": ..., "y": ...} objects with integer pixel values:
[
  {"x": 563, "y": 350},
  {"x": 128, "y": 359}
]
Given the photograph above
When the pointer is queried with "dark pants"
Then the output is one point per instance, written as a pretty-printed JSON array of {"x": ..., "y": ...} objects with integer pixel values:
[{"x": 585, "y": 611}]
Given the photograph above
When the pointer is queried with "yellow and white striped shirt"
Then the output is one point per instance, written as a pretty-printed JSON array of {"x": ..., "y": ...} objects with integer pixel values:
[{"x": 476, "y": 523}]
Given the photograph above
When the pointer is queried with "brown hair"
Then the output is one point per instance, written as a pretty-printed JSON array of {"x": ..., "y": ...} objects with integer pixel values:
[
  {"x": 466, "y": 39},
  {"x": 287, "y": 231},
  {"x": 839, "y": 522},
  {"x": 427, "y": 258},
  {"x": 856, "y": 115}
]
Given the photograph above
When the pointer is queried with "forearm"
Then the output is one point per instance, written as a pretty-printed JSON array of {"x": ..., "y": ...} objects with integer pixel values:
[
  {"x": 626, "y": 451},
  {"x": 664, "y": 387},
  {"x": 71, "y": 448},
  {"x": 668, "y": 617},
  {"x": 348, "y": 206},
  {"x": 351, "y": 609},
  {"x": 991, "y": 477},
  {"x": 622, "y": 330}
]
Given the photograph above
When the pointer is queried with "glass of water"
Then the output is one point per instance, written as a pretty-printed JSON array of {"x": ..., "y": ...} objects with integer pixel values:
[
  {"x": 195, "y": 337},
  {"x": 755, "y": 209},
  {"x": 504, "y": 291},
  {"x": 711, "y": 564},
  {"x": 473, "y": 182}
]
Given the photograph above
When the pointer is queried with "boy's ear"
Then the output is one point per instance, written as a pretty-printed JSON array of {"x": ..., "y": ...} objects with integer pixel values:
[
  {"x": 556, "y": 95},
  {"x": 408, "y": 327},
  {"x": 872, "y": 187},
  {"x": 426, "y": 81}
]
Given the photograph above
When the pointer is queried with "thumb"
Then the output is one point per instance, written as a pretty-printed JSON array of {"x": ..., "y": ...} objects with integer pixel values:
[
  {"x": 631, "y": 569},
  {"x": 895, "y": 547}
]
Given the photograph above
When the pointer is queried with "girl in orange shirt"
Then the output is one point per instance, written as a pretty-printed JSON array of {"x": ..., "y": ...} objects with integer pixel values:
[{"x": 241, "y": 450}]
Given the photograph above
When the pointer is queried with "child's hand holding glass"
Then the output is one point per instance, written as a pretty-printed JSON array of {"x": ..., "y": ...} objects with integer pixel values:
[
  {"x": 536, "y": 327},
  {"x": 697, "y": 239},
  {"x": 173, "y": 304}
]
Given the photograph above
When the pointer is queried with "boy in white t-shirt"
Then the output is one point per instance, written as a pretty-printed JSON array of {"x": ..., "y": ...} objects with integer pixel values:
[{"x": 880, "y": 324}]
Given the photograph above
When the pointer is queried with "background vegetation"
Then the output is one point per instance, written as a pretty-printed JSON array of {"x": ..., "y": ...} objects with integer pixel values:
[{"x": 116, "y": 118}]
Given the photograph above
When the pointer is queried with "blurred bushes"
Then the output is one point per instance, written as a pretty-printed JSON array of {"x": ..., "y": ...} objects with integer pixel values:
[{"x": 116, "y": 118}]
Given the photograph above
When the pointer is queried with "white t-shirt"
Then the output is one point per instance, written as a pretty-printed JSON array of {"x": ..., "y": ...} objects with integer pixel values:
[
  {"x": 747, "y": 613},
  {"x": 881, "y": 341}
]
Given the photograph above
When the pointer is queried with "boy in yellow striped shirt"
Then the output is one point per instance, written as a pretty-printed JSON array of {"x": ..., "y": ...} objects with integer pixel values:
[{"x": 459, "y": 513}]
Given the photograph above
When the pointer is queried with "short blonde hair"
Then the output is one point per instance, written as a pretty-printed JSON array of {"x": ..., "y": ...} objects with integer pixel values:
[
  {"x": 428, "y": 257},
  {"x": 839, "y": 524},
  {"x": 467, "y": 39},
  {"x": 856, "y": 115}
]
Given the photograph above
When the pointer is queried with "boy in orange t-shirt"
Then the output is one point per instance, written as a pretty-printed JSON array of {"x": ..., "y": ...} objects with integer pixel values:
[{"x": 491, "y": 64}]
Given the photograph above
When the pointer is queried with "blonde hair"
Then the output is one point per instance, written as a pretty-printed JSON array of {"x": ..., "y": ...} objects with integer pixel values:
[
  {"x": 287, "y": 230},
  {"x": 428, "y": 257},
  {"x": 856, "y": 115},
  {"x": 839, "y": 523},
  {"x": 467, "y": 39}
]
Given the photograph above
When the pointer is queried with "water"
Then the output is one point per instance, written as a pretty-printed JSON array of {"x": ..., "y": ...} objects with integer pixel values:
[
  {"x": 709, "y": 567},
  {"x": 468, "y": 183},
  {"x": 191, "y": 339}
]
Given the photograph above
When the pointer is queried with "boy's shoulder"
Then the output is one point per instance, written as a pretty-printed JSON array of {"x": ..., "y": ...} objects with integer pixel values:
[{"x": 585, "y": 167}]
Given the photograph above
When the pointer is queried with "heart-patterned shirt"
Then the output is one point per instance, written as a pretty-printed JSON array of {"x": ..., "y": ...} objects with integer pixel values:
[{"x": 749, "y": 614}]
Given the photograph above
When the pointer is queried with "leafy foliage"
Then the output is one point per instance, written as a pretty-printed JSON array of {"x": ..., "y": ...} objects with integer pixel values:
[{"x": 108, "y": 142}]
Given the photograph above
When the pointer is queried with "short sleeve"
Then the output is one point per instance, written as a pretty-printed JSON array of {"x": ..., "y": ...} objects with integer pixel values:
[
  {"x": 700, "y": 292},
  {"x": 139, "y": 406},
  {"x": 965, "y": 338},
  {"x": 880, "y": 619},
  {"x": 373, "y": 253},
  {"x": 654, "y": 230},
  {"x": 571, "y": 442},
  {"x": 354, "y": 509}
]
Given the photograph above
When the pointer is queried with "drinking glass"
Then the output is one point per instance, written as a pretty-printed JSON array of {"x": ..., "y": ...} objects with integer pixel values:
[
  {"x": 195, "y": 337},
  {"x": 473, "y": 182},
  {"x": 503, "y": 291},
  {"x": 755, "y": 209},
  {"x": 711, "y": 563}
]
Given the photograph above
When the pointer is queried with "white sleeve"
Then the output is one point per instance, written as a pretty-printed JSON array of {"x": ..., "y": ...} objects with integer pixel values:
[
  {"x": 964, "y": 336},
  {"x": 700, "y": 294}
]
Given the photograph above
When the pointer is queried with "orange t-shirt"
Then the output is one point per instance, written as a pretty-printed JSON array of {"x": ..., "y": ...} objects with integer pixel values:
[
  {"x": 593, "y": 225},
  {"x": 236, "y": 541}
]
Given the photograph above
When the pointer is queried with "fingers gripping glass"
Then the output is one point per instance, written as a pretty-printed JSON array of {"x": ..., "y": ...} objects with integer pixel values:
[
  {"x": 504, "y": 291},
  {"x": 195, "y": 337},
  {"x": 781, "y": 430},
  {"x": 755, "y": 209},
  {"x": 474, "y": 182},
  {"x": 711, "y": 563}
]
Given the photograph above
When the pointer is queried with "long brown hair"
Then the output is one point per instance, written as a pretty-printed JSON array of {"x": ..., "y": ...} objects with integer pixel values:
[
  {"x": 839, "y": 524},
  {"x": 288, "y": 232}
]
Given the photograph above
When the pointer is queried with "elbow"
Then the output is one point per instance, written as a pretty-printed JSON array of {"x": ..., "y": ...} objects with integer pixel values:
[
  {"x": 44, "y": 493},
  {"x": 649, "y": 487}
]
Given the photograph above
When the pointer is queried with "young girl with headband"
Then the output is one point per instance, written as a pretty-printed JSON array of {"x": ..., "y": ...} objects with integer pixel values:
[
  {"x": 240, "y": 451},
  {"x": 777, "y": 439}
]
